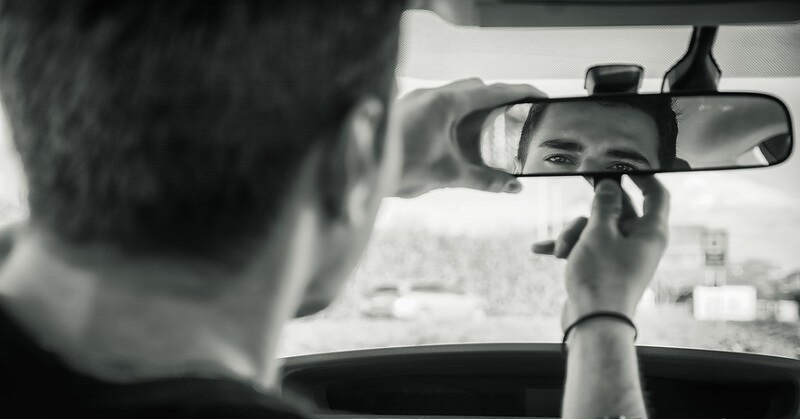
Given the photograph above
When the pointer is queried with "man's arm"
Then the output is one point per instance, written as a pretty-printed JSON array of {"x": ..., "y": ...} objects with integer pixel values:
[
  {"x": 602, "y": 372},
  {"x": 611, "y": 259}
]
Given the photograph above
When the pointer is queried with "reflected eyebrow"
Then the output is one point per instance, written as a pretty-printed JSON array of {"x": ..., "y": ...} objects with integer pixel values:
[
  {"x": 629, "y": 155},
  {"x": 567, "y": 145}
]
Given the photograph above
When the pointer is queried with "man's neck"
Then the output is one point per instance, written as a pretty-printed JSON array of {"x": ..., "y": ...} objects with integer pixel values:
[{"x": 126, "y": 320}]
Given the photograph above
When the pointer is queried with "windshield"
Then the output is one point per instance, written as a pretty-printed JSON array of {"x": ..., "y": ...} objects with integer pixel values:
[
  {"x": 456, "y": 266},
  {"x": 481, "y": 242}
]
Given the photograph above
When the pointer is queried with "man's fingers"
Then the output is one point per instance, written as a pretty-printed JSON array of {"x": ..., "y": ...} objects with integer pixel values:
[
  {"x": 453, "y": 88},
  {"x": 562, "y": 247},
  {"x": 462, "y": 84},
  {"x": 545, "y": 247},
  {"x": 490, "y": 180},
  {"x": 607, "y": 207},
  {"x": 474, "y": 97},
  {"x": 628, "y": 209},
  {"x": 656, "y": 200},
  {"x": 566, "y": 241},
  {"x": 629, "y": 216}
]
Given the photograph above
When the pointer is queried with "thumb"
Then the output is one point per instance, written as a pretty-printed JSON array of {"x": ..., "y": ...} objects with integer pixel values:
[
  {"x": 544, "y": 247},
  {"x": 607, "y": 206},
  {"x": 490, "y": 180}
]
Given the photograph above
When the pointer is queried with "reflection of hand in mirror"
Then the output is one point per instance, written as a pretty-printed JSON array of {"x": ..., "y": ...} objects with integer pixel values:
[{"x": 619, "y": 134}]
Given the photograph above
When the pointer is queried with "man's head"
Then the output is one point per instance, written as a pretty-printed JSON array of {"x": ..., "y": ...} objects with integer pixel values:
[
  {"x": 608, "y": 134},
  {"x": 178, "y": 127}
]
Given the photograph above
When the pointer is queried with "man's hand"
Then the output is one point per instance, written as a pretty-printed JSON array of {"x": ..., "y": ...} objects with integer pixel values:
[
  {"x": 432, "y": 158},
  {"x": 612, "y": 257}
]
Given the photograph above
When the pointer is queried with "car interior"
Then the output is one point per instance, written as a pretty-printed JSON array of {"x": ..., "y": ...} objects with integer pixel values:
[
  {"x": 515, "y": 379},
  {"x": 527, "y": 380}
]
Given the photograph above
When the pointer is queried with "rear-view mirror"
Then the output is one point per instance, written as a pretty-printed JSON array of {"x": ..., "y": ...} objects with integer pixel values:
[{"x": 635, "y": 133}]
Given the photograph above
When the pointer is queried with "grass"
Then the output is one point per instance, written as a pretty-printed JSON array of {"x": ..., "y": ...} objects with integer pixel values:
[
  {"x": 674, "y": 326},
  {"x": 524, "y": 293}
]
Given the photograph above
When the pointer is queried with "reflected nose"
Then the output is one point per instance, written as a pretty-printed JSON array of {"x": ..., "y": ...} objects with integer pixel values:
[{"x": 590, "y": 165}]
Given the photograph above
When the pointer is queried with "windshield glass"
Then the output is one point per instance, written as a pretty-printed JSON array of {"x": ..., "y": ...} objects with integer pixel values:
[
  {"x": 456, "y": 266},
  {"x": 481, "y": 243}
]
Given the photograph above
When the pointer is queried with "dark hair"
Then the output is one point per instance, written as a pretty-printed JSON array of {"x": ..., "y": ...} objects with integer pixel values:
[
  {"x": 660, "y": 108},
  {"x": 178, "y": 125}
]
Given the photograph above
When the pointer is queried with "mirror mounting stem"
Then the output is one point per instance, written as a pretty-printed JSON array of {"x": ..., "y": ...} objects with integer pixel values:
[
  {"x": 612, "y": 79},
  {"x": 697, "y": 71}
]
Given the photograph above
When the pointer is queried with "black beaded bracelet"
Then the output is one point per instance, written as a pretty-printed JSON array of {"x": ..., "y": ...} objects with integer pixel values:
[{"x": 612, "y": 314}]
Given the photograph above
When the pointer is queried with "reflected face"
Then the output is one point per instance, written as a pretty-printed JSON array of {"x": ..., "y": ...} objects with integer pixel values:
[{"x": 592, "y": 137}]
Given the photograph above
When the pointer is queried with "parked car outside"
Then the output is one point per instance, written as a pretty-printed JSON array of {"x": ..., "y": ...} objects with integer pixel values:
[{"x": 414, "y": 301}]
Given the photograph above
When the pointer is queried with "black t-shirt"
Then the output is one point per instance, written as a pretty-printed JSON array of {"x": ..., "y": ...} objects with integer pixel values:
[{"x": 35, "y": 383}]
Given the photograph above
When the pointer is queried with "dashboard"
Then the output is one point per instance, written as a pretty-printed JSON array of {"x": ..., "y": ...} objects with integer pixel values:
[{"x": 526, "y": 380}]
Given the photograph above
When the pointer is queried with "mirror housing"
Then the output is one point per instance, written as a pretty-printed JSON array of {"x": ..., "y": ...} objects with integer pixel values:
[{"x": 630, "y": 133}]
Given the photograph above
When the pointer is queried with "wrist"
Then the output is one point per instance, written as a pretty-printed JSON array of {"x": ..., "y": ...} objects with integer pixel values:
[
  {"x": 601, "y": 332},
  {"x": 586, "y": 303}
]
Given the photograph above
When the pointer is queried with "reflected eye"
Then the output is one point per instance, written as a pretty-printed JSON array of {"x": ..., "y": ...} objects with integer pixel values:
[
  {"x": 559, "y": 159},
  {"x": 622, "y": 167}
]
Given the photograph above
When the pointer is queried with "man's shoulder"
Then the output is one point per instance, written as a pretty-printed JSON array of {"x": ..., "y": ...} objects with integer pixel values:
[{"x": 37, "y": 384}]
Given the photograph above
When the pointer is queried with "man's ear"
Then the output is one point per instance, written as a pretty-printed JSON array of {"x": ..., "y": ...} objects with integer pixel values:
[
  {"x": 7, "y": 236},
  {"x": 352, "y": 162}
]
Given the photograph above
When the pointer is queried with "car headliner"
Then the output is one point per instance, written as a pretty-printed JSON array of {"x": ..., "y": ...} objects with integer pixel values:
[{"x": 434, "y": 49}]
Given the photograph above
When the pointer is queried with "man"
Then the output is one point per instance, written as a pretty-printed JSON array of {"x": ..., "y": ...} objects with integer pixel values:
[
  {"x": 199, "y": 173},
  {"x": 619, "y": 134}
]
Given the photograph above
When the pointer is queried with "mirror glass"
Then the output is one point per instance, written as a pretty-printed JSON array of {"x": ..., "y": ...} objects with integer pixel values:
[{"x": 636, "y": 133}]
